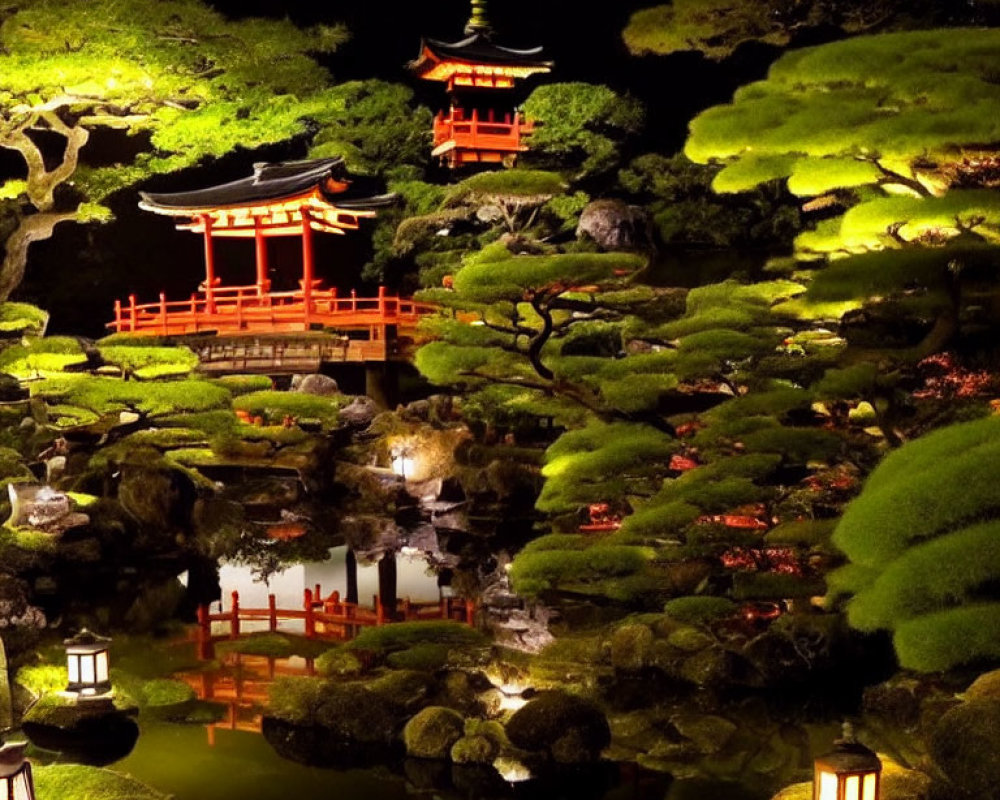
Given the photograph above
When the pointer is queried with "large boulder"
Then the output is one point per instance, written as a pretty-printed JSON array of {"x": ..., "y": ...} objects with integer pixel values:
[
  {"x": 433, "y": 732},
  {"x": 570, "y": 729},
  {"x": 320, "y": 385},
  {"x": 615, "y": 225},
  {"x": 965, "y": 745},
  {"x": 359, "y": 412}
]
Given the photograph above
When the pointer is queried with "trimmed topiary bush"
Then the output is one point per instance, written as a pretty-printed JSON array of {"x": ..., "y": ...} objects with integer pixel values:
[
  {"x": 426, "y": 657},
  {"x": 338, "y": 663},
  {"x": 924, "y": 546},
  {"x": 403, "y": 635},
  {"x": 698, "y": 610}
]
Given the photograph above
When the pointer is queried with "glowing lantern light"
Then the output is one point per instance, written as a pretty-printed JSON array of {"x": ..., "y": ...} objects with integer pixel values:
[
  {"x": 403, "y": 463},
  {"x": 87, "y": 661},
  {"x": 849, "y": 772},
  {"x": 15, "y": 773}
]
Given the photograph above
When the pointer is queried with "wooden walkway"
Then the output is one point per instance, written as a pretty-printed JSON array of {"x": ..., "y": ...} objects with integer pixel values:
[
  {"x": 288, "y": 354},
  {"x": 321, "y": 619}
]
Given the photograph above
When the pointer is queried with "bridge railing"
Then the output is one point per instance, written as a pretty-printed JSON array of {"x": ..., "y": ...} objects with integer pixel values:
[
  {"x": 330, "y": 618},
  {"x": 246, "y": 306}
]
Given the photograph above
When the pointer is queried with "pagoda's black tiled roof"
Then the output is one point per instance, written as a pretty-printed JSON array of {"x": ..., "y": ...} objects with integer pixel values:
[
  {"x": 271, "y": 182},
  {"x": 481, "y": 49}
]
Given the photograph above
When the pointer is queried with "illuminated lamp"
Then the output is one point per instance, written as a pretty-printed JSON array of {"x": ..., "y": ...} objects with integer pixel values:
[
  {"x": 403, "y": 463},
  {"x": 15, "y": 773},
  {"x": 849, "y": 772},
  {"x": 87, "y": 661}
]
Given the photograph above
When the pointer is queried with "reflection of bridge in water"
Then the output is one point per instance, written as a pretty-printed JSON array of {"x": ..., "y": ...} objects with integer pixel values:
[{"x": 242, "y": 684}]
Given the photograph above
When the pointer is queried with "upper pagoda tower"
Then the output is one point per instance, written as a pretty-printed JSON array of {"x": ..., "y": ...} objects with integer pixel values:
[{"x": 481, "y": 125}]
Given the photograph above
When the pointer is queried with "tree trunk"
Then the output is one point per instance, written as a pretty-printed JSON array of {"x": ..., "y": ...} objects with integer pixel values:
[{"x": 32, "y": 228}]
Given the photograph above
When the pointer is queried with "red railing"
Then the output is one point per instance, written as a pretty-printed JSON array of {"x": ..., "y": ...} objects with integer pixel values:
[
  {"x": 478, "y": 134},
  {"x": 329, "y": 618},
  {"x": 234, "y": 309}
]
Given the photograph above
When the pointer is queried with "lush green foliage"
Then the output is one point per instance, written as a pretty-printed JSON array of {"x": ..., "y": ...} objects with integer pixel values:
[
  {"x": 698, "y": 609},
  {"x": 111, "y": 395},
  {"x": 924, "y": 575},
  {"x": 580, "y": 124},
  {"x": 149, "y": 362},
  {"x": 718, "y": 27},
  {"x": 275, "y": 406}
]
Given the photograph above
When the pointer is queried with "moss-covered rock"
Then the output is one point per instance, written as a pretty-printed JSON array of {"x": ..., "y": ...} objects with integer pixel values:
[
  {"x": 349, "y": 713},
  {"x": 427, "y": 656},
  {"x": 433, "y": 732},
  {"x": 338, "y": 663},
  {"x": 79, "y": 782},
  {"x": 965, "y": 745},
  {"x": 631, "y": 647},
  {"x": 570, "y": 729},
  {"x": 709, "y": 733},
  {"x": 474, "y": 750},
  {"x": 985, "y": 687}
]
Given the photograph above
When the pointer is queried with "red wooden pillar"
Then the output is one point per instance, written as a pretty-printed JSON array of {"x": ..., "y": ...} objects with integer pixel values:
[
  {"x": 470, "y": 612},
  {"x": 118, "y": 316},
  {"x": 260, "y": 247},
  {"x": 163, "y": 313},
  {"x": 234, "y": 628},
  {"x": 309, "y": 614},
  {"x": 272, "y": 613},
  {"x": 209, "y": 264},
  {"x": 132, "y": 313},
  {"x": 308, "y": 265},
  {"x": 204, "y": 634}
]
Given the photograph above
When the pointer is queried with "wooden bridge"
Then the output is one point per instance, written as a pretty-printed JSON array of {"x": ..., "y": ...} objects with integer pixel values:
[
  {"x": 331, "y": 618},
  {"x": 248, "y": 310}
]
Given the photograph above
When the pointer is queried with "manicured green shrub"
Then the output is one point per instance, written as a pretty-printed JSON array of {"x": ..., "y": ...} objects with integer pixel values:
[
  {"x": 338, "y": 663},
  {"x": 949, "y": 638},
  {"x": 698, "y": 609},
  {"x": 41, "y": 357},
  {"x": 534, "y": 572},
  {"x": 22, "y": 318},
  {"x": 111, "y": 395},
  {"x": 275, "y": 406},
  {"x": 149, "y": 362},
  {"x": 424, "y": 657},
  {"x": 274, "y": 645},
  {"x": 403, "y": 635},
  {"x": 244, "y": 384},
  {"x": 922, "y": 539}
]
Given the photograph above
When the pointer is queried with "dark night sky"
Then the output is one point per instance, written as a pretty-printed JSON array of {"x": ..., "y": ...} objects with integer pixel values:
[{"x": 79, "y": 272}]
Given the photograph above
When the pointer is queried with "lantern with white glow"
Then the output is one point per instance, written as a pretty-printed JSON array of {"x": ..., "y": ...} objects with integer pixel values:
[
  {"x": 87, "y": 661},
  {"x": 15, "y": 773},
  {"x": 402, "y": 462},
  {"x": 849, "y": 772}
]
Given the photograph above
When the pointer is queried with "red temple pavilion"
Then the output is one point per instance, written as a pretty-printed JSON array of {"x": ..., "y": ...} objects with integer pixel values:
[
  {"x": 284, "y": 199},
  {"x": 475, "y": 69}
]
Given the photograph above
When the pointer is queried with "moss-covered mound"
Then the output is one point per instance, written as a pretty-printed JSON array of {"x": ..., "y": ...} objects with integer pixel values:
[
  {"x": 433, "y": 732},
  {"x": 571, "y": 730},
  {"x": 78, "y": 782}
]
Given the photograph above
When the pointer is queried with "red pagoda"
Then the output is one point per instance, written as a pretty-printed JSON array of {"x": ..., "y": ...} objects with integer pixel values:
[
  {"x": 477, "y": 128},
  {"x": 285, "y": 199}
]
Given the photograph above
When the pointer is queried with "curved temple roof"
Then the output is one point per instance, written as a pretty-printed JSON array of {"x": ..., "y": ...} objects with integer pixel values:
[
  {"x": 477, "y": 49},
  {"x": 274, "y": 198}
]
